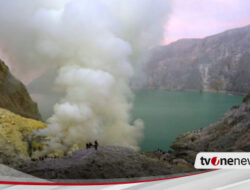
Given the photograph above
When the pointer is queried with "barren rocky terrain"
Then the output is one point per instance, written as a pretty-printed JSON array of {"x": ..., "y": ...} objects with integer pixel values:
[{"x": 216, "y": 63}]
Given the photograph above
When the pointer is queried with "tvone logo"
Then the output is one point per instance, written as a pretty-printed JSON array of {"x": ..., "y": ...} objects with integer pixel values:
[
  {"x": 206, "y": 161},
  {"x": 221, "y": 160},
  {"x": 215, "y": 161}
]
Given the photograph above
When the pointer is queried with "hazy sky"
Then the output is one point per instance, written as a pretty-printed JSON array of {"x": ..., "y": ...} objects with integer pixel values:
[
  {"x": 193, "y": 19},
  {"x": 200, "y": 18}
]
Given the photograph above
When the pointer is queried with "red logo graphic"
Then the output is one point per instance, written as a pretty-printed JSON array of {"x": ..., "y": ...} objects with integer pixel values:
[{"x": 215, "y": 161}]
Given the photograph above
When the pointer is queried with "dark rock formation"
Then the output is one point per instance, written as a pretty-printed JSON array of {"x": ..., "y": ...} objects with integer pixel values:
[
  {"x": 230, "y": 133},
  {"x": 14, "y": 96},
  {"x": 176, "y": 162},
  {"x": 217, "y": 63},
  {"x": 105, "y": 163}
]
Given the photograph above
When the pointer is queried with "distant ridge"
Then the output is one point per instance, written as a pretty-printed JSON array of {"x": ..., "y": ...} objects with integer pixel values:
[{"x": 219, "y": 62}]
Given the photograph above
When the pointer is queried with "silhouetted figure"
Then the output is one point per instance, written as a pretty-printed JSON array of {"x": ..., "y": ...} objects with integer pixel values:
[
  {"x": 96, "y": 145},
  {"x": 90, "y": 145},
  {"x": 87, "y": 145}
]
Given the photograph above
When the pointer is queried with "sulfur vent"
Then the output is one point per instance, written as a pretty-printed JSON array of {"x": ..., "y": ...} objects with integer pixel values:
[{"x": 16, "y": 139}]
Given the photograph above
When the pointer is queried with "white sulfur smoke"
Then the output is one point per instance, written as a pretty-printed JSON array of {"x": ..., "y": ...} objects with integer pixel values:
[{"x": 96, "y": 45}]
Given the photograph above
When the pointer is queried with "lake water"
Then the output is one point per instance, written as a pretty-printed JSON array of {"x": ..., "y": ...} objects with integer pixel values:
[{"x": 167, "y": 114}]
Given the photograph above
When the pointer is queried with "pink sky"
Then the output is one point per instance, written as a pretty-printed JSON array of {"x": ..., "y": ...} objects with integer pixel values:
[
  {"x": 200, "y": 18},
  {"x": 196, "y": 19}
]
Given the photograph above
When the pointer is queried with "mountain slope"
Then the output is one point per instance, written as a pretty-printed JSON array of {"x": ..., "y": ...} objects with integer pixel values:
[
  {"x": 230, "y": 133},
  {"x": 216, "y": 63},
  {"x": 14, "y": 96}
]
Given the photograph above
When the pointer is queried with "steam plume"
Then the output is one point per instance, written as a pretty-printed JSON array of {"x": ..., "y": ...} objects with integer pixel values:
[{"x": 95, "y": 44}]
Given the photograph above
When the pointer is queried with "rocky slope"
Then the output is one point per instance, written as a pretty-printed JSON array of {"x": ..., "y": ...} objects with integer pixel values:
[
  {"x": 215, "y": 63},
  {"x": 14, "y": 96},
  {"x": 230, "y": 133},
  {"x": 16, "y": 137},
  {"x": 105, "y": 163}
]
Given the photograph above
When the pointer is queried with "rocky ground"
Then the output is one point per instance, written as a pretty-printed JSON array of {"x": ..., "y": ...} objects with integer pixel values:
[{"x": 105, "y": 163}]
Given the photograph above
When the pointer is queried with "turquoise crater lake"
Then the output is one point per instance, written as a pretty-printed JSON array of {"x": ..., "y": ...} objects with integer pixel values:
[{"x": 167, "y": 114}]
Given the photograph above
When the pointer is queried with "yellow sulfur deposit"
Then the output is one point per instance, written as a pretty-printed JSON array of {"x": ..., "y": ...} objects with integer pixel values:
[{"x": 16, "y": 134}]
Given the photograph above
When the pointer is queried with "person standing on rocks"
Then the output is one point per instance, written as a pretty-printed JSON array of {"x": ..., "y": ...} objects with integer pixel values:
[{"x": 96, "y": 144}]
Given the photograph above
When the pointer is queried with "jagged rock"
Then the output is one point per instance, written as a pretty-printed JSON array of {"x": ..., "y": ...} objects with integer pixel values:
[
  {"x": 166, "y": 157},
  {"x": 182, "y": 163},
  {"x": 230, "y": 133},
  {"x": 106, "y": 162},
  {"x": 16, "y": 132},
  {"x": 216, "y": 63},
  {"x": 179, "y": 160},
  {"x": 246, "y": 98},
  {"x": 14, "y": 96}
]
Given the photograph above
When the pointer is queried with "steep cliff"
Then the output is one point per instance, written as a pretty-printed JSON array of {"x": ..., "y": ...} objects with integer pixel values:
[
  {"x": 216, "y": 63},
  {"x": 14, "y": 96}
]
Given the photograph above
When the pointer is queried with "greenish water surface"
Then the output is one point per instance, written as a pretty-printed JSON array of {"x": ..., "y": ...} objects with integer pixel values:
[{"x": 167, "y": 114}]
